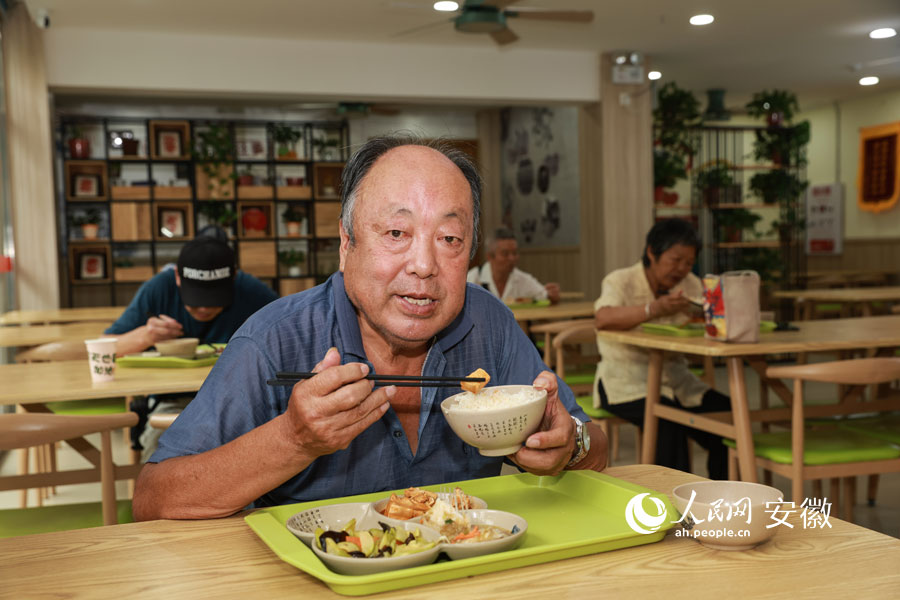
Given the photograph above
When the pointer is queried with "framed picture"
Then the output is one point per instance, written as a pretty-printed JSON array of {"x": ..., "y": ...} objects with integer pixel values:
[
  {"x": 168, "y": 144},
  {"x": 171, "y": 222},
  {"x": 93, "y": 266},
  {"x": 86, "y": 185}
]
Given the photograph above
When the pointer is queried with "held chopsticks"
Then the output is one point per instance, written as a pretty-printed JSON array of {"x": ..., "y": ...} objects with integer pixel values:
[{"x": 290, "y": 378}]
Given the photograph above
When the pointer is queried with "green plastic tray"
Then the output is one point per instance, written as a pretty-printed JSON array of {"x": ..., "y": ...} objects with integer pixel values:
[
  {"x": 574, "y": 514},
  {"x": 535, "y": 304},
  {"x": 693, "y": 329},
  {"x": 157, "y": 362}
]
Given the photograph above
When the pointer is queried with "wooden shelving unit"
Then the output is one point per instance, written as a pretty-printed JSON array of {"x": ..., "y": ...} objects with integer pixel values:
[{"x": 157, "y": 198}]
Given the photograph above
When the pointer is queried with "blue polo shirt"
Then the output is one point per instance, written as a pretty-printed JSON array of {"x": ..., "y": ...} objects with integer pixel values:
[{"x": 294, "y": 333}]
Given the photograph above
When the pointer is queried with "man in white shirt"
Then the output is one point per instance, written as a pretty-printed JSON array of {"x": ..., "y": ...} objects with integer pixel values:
[{"x": 500, "y": 276}]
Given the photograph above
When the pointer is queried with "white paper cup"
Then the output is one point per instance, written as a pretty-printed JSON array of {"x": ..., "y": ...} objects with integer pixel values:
[{"x": 102, "y": 358}]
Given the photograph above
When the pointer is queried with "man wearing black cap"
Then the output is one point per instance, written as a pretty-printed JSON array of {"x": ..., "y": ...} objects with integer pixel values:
[{"x": 204, "y": 297}]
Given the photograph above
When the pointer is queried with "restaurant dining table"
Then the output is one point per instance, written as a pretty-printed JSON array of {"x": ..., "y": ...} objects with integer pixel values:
[
  {"x": 571, "y": 296},
  {"x": 30, "y": 386},
  {"x": 35, "y": 335},
  {"x": 878, "y": 333},
  {"x": 223, "y": 558},
  {"x": 105, "y": 314},
  {"x": 554, "y": 312},
  {"x": 863, "y": 296}
]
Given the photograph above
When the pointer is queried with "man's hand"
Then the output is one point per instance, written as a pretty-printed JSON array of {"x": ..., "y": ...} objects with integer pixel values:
[
  {"x": 552, "y": 292},
  {"x": 163, "y": 328},
  {"x": 669, "y": 304},
  {"x": 326, "y": 412},
  {"x": 548, "y": 450}
]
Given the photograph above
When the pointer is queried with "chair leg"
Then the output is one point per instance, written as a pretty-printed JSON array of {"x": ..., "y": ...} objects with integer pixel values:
[
  {"x": 835, "y": 488},
  {"x": 23, "y": 470},
  {"x": 872, "y": 489},
  {"x": 817, "y": 488},
  {"x": 38, "y": 468},
  {"x": 603, "y": 424},
  {"x": 849, "y": 498},
  {"x": 53, "y": 448},
  {"x": 614, "y": 442},
  {"x": 107, "y": 480},
  {"x": 732, "y": 465}
]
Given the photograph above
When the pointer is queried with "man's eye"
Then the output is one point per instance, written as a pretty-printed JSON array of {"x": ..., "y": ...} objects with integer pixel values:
[
  {"x": 395, "y": 233},
  {"x": 451, "y": 239}
]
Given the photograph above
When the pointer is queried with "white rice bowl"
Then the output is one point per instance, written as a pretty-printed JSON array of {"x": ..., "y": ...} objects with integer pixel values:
[{"x": 492, "y": 398}]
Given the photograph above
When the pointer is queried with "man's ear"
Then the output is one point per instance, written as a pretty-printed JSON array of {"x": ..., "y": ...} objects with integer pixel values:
[{"x": 345, "y": 245}]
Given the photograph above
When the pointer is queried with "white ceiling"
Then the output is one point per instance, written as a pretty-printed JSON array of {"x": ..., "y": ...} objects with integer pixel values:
[{"x": 808, "y": 46}]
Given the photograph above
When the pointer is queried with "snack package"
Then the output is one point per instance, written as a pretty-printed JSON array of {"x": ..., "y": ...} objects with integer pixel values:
[{"x": 731, "y": 306}]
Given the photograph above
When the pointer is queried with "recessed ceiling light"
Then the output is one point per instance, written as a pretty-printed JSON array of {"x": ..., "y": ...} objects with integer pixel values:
[
  {"x": 446, "y": 6},
  {"x": 884, "y": 32},
  {"x": 872, "y": 80},
  {"x": 702, "y": 19},
  {"x": 654, "y": 75}
]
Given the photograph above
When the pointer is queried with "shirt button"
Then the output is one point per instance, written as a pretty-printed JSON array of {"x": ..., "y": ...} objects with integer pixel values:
[{"x": 398, "y": 434}]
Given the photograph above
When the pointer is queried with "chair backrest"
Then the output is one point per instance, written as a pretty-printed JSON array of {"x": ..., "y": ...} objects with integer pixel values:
[
  {"x": 24, "y": 430},
  {"x": 580, "y": 332},
  {"x": 163, "y": 420},
  {"x": 54, "y": 351},
  {"x": 861, "y": 371}
]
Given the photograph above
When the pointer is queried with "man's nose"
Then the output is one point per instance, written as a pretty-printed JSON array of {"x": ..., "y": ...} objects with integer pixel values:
[{"x": 422, "y": 260}]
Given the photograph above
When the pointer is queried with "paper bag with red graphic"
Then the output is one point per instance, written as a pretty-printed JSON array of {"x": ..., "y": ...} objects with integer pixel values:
[{"x": 731, "y": 306}]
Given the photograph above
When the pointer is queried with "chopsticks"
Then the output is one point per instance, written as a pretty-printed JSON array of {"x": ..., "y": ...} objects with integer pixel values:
[{"x": 291, "y": 378}]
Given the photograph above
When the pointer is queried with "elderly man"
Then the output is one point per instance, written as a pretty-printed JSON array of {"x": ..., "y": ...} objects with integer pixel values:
[
  {"x": 398, "y": 306},
  {"x": 500, "y": 276}
]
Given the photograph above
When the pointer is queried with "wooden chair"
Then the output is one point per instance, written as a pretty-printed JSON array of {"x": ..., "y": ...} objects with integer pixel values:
[
  {"x": 26, "y": 430},
  {"x": 162, "y": 420},
  {"x": 581, "y": 332},
  {"x": 828, "y": 451}
]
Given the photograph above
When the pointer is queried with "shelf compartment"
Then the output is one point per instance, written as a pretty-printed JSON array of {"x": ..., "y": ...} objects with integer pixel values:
[
  {"x": 327, "y": 180},
  {"x": 293, "y": 285},
  {"x": 327, "y": 217},
  {"x": 214, "y": 190},
  {"x": 173, "y": 221},
  {"x": 171, "y": 192},
  {"x": 129, "y": 192},
  {"x": 255, "y": 192},
  {"x": 294, "y": 192},
  {"x": 170, "y": 140},
  {"x": 258, "y": 257},
  {"x": 89, "y": 263},
  {"x": 253, "y": 225},
  {"x": 131, "y": 221},
  {"x": 133, "y": 274},
  {"x": 86, "y": 180}
]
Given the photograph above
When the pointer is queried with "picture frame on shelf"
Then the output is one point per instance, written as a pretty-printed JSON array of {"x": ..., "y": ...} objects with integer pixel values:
[
  {"x": 171, "y": 222},
  {"x": 86, "y": 186},
  {"x": 169, "y": 143},
  {"x": 92, "y": 266}
]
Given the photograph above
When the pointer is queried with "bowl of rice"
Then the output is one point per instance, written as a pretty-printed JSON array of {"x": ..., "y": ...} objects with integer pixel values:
[{"x": 497, "y": 420}]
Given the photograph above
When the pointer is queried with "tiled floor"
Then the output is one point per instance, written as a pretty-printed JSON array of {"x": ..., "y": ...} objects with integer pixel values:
[{"x": 883, "y": 517}]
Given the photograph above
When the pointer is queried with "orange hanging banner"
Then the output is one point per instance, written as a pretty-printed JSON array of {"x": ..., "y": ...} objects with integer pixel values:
[{"x": 878, "y": 180}]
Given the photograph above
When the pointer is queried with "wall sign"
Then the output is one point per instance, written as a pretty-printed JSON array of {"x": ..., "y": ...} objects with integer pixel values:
[
  {"x": 878, "y": 179},
  {"x": 824, "y": 219}
]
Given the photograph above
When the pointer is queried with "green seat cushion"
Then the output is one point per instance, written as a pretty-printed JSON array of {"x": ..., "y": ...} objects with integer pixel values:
[
  {"x": 697, "y": 371},
  {"x": 63, "y": 517},
  {"x": 579, "y": 378},
  {"x": 587, "y": 405},
  {"x": 884, "y": 427},
  {"x": 824, "y": 446},
  {"x": 102, "y": 406},
  {"x": 829, "y": 307}
]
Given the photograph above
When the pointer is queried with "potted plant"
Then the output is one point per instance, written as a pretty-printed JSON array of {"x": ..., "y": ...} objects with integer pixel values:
[
  {"x": 777, "y": 184},
  {"x": 668, "y": 167},
  {"x": 89, "y": 221},
  {"x": 293, "y": 259},
  {"x": 326, "y": 148},
  {"x": 286, "y": 138},
  {"x": 732, "y": 222},
  {"x": 712, "y": 180},
  {"x": 246, "y": 177},
  {"x": 214, "y": 151},
  {"x": 79, "y": 144},
  {"x": 784, "y": 146},
  {"x": 293, "y": 219},
  {"x": 218, "y": 213},
  {"x": 777, "y": 106}
]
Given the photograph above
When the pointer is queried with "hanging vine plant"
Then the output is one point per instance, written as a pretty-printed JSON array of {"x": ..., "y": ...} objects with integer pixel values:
[{"x": 214, "y": 150}]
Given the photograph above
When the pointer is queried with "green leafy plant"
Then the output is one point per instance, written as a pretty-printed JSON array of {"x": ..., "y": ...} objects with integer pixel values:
[
  {"x": 677, "y": 112},
  {"x": 784, "y": 146},
  {"x": 76, "y": 132},
  {"x": 91, "y": 216},
  {"x": 219, "y": 213},
  {"x": 214, "y": 150},
  {"x": 773, "y": 102},
  {"x": 324, "y": 145},
  {"x": 285, "y": 138},
  {"x": 668, "y": 168},
  {"x": 777, "y": 185},
  {"x": 714, "y": 175},
  {"x": 732, "y": 222},
  {"x": 291, "y": 257},
  {"x": 292, "y": 214},
  {"x": 768, "y": 262}
]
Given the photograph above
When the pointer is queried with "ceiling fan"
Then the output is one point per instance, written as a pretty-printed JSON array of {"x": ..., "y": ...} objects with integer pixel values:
[{"x": 490, "y": 16}]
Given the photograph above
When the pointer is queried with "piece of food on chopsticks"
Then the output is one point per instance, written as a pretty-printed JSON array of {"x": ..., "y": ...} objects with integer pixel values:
[
  {"x": 372, "y": 543},
  {"x": 415, "y": 502},
  {"x": 476, "y": 386}
]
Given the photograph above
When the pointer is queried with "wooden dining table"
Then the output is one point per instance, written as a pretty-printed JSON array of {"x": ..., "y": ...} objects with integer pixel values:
[
  {"x": 104, "y": 314},
  {"x": 35, "y": 335},
  {"x": 223, "y": 558},
  {"x": 526, "y": 315},
  {"x": 877, "y": 333},
  {"x": 862, "y": 296}
]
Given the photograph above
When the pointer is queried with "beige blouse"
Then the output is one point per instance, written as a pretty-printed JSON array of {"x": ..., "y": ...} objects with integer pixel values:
[{"x": 622, "y": 367}]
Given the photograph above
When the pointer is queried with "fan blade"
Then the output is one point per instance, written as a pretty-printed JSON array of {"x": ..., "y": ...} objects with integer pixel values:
[
  {"x": 423, "y": 27},
  {"x": 504, "y": 36},
  {"x": 572, "y": 16}
]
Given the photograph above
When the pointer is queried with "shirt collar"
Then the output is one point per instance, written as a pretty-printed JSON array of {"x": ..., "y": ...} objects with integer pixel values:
[{"x": 348, "y": 322}]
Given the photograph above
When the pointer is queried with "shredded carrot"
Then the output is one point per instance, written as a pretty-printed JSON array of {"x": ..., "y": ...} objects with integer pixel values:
[
  {"x": 354, "y": 539},
  {"x": 465, "y": 536}
]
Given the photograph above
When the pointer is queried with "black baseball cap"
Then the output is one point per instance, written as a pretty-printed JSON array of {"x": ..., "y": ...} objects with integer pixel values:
[{"x": 206, "y": 268}]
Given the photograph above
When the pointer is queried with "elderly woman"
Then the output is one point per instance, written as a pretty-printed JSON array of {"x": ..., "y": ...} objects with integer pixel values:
[{"x": 656, "y": 289}]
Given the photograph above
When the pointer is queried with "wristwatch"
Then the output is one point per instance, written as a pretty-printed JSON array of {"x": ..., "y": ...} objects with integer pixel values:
[{"x": 582, "y": 443}]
